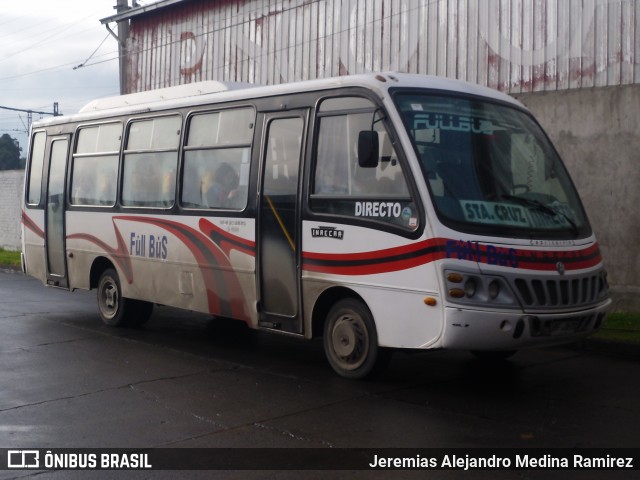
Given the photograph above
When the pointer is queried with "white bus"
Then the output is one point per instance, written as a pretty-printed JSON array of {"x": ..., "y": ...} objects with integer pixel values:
[{"x": 381, "y": 212}]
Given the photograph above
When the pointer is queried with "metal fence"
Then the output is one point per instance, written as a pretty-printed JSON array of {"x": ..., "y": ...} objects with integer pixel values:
[{"x": 511, "y": 45}]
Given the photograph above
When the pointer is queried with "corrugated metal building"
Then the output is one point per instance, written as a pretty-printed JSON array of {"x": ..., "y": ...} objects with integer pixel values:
[
  {"x": 511, "y": 45},
  {"x": 575, "y": 63}
]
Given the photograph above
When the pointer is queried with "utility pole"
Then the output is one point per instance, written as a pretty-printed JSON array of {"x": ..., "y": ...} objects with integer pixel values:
[{"x": 123, "y": 35}]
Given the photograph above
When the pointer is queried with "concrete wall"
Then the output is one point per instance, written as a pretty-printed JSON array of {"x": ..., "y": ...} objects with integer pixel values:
[
  {"x": 11, "y": 185},
  {"x": 597, "y": 132}
]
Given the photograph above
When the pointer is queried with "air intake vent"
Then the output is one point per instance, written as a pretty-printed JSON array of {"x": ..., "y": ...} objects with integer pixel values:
[{"x": 535, "y": 293}]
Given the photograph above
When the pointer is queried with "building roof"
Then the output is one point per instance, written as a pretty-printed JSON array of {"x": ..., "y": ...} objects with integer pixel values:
[{"x": 141, "y": 10}]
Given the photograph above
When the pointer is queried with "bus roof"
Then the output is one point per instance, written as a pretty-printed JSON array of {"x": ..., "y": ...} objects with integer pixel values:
[
  {"x": 162, "y": 94},
  {"x": 201, "y": 93}
]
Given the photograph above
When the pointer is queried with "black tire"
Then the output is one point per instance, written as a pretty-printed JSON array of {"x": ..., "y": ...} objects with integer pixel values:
[
  {"x": 116, "y": 310},
  {"x": 494, "y": 355},
  {"x": 351, "y": 341}
]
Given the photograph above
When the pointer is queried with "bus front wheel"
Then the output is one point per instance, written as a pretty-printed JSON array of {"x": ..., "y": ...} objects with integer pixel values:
[
  {"x": 116, "y": 310},
  {"x": 351, "y": 341}
]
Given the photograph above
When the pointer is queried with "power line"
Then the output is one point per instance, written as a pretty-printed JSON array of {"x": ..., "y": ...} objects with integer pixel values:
[
  {"x": 94, "y": 52},
  {"x": 30, "y": 113},
  {"x": 58, "y": 31},
  {"x": 64, "y": 65},
  {"x": 55, "y": 112},
  {"x": 61, "y": 66}
]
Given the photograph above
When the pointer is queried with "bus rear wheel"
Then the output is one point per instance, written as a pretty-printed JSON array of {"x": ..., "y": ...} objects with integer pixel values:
[
  {"x": 351, "y": 341},
  {"x": 116, "y": 310}
]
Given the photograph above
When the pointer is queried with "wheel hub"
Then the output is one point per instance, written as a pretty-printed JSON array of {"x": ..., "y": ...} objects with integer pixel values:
[
  {"x": 344, "y": 339},
  {"x": 108, "y": 299},
  {"x": 110, "y": 294}
]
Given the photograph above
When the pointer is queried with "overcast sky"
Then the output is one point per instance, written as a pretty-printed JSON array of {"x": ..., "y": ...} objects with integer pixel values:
[{"x": 41, "y": 41}]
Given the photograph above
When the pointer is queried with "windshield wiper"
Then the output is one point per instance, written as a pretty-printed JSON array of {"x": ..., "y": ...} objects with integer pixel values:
[{"x": 541, "y": 207}]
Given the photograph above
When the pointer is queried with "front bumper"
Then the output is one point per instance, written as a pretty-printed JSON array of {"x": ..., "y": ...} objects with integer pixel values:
[{"x": 467, "y": 329}]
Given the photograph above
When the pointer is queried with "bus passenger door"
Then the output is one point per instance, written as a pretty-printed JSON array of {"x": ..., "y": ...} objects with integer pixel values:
[
  {"x": 278, "y": 242},
  {"x": 54, "y": 213}
]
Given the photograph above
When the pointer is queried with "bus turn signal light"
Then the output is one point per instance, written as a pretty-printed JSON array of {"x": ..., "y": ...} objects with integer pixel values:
[
  {"x": 454, "y": 277},
  {"x": 430, "y": 301},
  {"x": 456, "y": 293}
]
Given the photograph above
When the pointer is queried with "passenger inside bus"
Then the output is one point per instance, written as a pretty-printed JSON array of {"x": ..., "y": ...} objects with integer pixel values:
[
  {"x": 219, "y": 187},
  {"x": 168, "y": 188},
  {"x": 83, "y": 190},
  {"x": 105, "y": 189}
]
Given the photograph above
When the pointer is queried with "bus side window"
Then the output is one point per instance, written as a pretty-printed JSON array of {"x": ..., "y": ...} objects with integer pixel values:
[
  {"x": 34, "y": 191},
  {"x": 340, "y": 185},
  {"x": 217, "y": 159},
  {"x": 94, "y": 173},
  {"x": 337, "y": 170},
  {"x": 150, "y": 162},
  {"x": 216, "y": 178},
  {"x": 333, "y": 157}
]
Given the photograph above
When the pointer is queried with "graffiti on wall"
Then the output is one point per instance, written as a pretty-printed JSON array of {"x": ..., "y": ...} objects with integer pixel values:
[{"x": 532, "y": 44}]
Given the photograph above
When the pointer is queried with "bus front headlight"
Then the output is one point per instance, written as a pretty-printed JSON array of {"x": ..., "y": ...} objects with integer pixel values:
[
  {"x": 470, "y": 287},
  {"x": 493, "y": 289},
  {"x": 477, "y": 289}
]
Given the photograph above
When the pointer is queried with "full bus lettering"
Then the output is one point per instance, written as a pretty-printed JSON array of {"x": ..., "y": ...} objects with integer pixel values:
[
  {"x": 463, "y": 250},
  {"x": 471, "y": 251},
  {"x": 148, "y": 246},
  {"x": 138, "y": 245},
  {"x": 158, "y": 247},
  {"x": 502, "y": 256}
]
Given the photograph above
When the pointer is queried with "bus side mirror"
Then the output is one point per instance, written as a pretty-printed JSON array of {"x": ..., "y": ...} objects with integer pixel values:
[{"x": 368, "y": 149}]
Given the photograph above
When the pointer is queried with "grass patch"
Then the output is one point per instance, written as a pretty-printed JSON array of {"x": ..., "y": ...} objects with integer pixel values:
[
  {"x": 9, "y": 259},
  {"x": 621, "y": 327}
]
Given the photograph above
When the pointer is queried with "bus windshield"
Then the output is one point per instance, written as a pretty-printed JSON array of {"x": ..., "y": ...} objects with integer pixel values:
[{"x": 490, "y": 168}]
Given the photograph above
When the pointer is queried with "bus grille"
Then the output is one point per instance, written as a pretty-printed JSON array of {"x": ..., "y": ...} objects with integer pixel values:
[{"x": 569, "y": 292}]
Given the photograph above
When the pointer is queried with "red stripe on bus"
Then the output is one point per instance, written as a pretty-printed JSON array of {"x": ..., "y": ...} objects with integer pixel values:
[
  {"x": 120, "y": 255},
  {"x": 227, "y": 241},
  {"x": 31, "y": 225},
  {"x": 420, "y": 253},
  {"x": 201, "y": 246}
]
